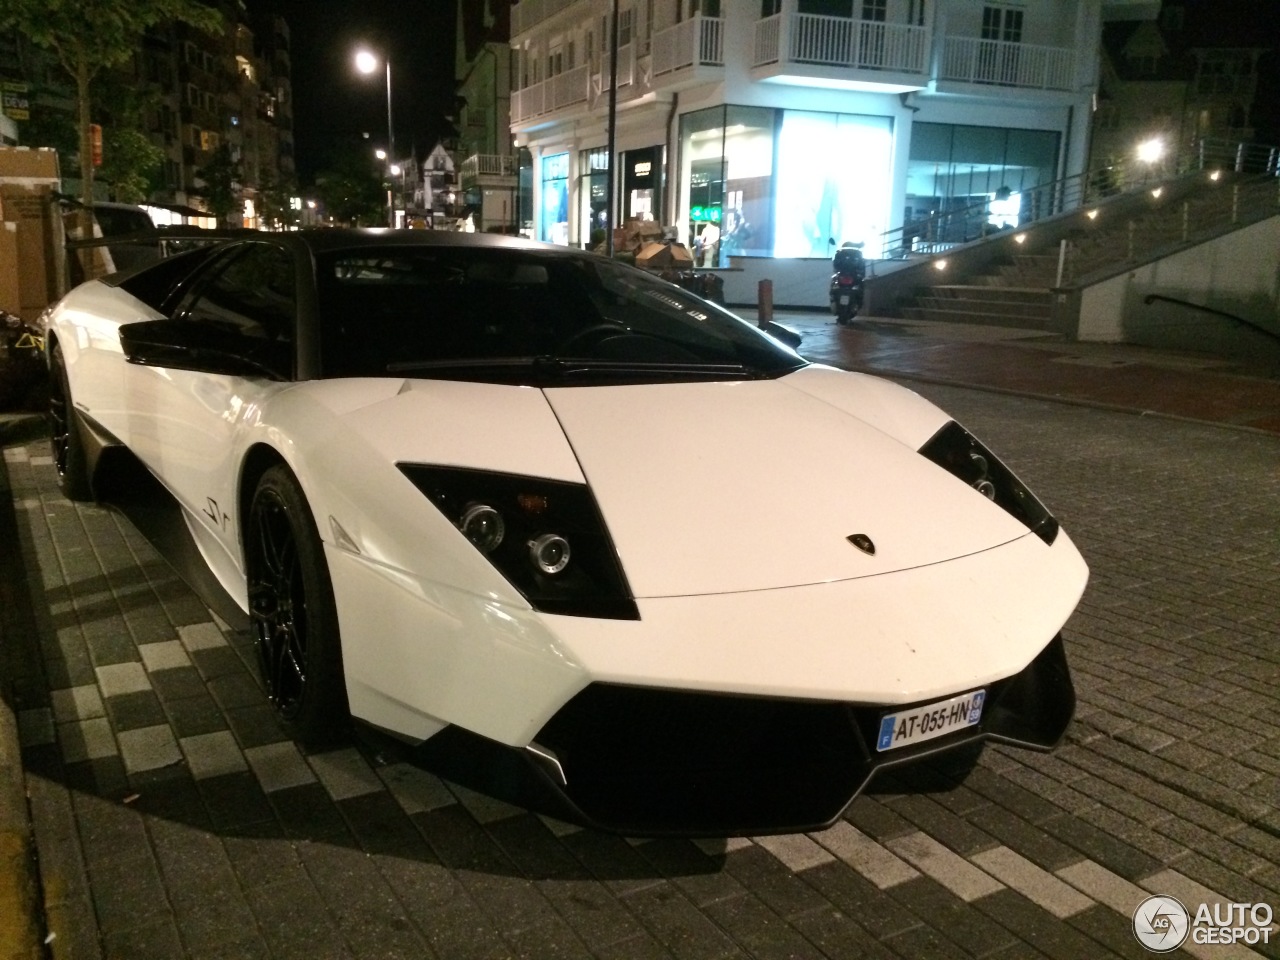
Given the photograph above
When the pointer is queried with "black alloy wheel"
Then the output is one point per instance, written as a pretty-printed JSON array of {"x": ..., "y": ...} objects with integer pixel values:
[
  {"x": 291, "y": 608},
  {"x": 64, "y": 434}
]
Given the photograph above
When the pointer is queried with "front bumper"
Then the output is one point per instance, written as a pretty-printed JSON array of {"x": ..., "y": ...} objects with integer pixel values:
[{"x": 657, "y": 762}]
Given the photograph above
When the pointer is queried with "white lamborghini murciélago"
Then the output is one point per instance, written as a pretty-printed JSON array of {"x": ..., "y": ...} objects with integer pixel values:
[{"x": 561, "y": 530}]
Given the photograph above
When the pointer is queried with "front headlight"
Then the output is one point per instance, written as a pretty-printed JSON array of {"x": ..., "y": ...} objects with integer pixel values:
[
  {"x": 546, "y": 537},
  {"x": 957, "y": 451}
]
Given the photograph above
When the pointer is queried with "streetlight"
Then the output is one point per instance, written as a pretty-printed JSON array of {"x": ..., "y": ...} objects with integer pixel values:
[{"x": 367, "y": 63}]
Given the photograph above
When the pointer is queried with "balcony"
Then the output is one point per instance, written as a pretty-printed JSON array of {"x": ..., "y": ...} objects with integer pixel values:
[
  {"x": 560, "y": 92},
  {"x": 487, "y": 169},
  {"x": 688, "y": 53},
  {"x": 813, "y": 50},
  {"x": 969, "y": 63}
]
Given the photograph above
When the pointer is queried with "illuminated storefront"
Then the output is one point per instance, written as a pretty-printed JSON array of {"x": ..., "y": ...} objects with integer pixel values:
[
  {"x": 783, "y": 183},
  {"x": 988, "y": 172},
  {"x": 554, "y": 226}
]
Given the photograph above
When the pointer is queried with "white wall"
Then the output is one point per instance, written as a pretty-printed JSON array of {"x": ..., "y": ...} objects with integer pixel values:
[{"x": 1238, "y": 273}]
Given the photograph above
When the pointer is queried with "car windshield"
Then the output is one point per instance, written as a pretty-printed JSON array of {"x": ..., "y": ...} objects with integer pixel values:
[{"x": 525, "y": 316}]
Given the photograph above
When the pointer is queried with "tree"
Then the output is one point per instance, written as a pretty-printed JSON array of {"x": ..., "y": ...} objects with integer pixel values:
[
  {"x": 275, "y": 202},
  {"x": 221, "y": 177},
  {"x": 88, "y": 38},
  {"x": 352, "y": 192},
  {"x": 131, "y": 163}
]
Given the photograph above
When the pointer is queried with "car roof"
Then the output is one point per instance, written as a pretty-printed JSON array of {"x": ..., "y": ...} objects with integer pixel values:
[{"x": 323, "y": 240}]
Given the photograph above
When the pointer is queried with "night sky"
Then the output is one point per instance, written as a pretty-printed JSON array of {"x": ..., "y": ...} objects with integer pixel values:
[{"x": 334, "y": 104}]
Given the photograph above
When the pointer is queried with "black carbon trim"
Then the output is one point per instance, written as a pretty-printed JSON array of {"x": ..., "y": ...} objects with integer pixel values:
[{"x": 641, "y": 761}]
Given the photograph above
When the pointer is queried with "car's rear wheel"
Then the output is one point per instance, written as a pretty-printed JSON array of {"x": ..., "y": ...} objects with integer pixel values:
[
  {"x": 291, "y": 607},
  {"x": 64, "y": 433}
]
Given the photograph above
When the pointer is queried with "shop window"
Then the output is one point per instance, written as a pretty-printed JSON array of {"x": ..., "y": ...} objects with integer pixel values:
[
  {"x": 555, "y": 199},
  {"x": 593, "y": 194},
  {"x": 726, "y": 186},
  {"x": 833, "y": 182},
  {"x": 962, "y": 170}
]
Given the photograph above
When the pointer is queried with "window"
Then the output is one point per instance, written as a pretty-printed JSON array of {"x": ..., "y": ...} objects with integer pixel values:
[
  {"x": 915, "y": 13},
  {"x": 593, "y": 191},
  {"x": 252, "y": 294},
  {"x": 555, "y": 199},
  {"x": 874, "y": 10},
  {"x": 1002, "y": 23},
  {"x": 999, "y": 59}
]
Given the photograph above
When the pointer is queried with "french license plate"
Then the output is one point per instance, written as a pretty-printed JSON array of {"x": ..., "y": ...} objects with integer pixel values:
[
  {"x": 844, "y": 299},
  {"x": 931, "y": 720}
]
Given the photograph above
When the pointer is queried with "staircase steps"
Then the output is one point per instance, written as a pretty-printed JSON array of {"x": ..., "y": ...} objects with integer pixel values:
[{"x": 1017, "y": 291}]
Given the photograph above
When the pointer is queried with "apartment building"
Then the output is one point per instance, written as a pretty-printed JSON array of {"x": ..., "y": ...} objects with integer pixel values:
[
  {"x": 198, "y": 92},
  {"x": 1189, "y": 76},
  {"x": 779, "y": 126},
  {"x": 482, "y": 67}
]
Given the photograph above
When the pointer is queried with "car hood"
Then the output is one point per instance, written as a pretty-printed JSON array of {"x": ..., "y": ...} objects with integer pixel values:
[
  {"x": 726, "y": 487},
  {"x": 705, "y": 487}
]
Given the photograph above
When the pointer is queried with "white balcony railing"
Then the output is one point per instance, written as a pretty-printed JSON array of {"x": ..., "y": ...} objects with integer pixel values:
[
  {"x": 561, "y": 91},
  {"x": 487, "y": 165},
  {"x": 842, "y": 42},
  {"x": 698, "y": 41},
  {"x": 1000, "y": 63}
]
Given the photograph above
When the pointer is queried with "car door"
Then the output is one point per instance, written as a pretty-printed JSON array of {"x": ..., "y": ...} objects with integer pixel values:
[{"x": 190, "y": 425}]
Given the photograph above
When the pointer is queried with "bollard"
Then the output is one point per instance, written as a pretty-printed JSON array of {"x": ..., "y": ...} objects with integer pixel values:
[{"x": 764, "y": 303}]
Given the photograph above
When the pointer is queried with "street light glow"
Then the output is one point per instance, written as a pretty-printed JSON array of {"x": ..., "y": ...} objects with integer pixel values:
[
  {"x": 380, "y": 154},
  {"x": 395, "y": 169},
  {"x": 1149, "y": 151},
  {"x": 366, "y": 62}
]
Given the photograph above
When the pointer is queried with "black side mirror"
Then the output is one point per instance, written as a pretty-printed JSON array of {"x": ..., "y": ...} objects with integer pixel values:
[
  {"x": 786, "y": 335},
  {"x": 204, "y": 348}
]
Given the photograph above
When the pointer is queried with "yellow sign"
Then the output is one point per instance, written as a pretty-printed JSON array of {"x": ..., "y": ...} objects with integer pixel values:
[{"x": 14, "y": 101}]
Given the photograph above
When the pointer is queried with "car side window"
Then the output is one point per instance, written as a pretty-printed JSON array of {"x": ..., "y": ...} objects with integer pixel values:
[{"x": 252, "y": 293}]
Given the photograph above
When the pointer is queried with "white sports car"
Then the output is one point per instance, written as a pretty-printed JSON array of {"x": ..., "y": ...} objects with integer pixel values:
[{"x": 562, "y": 530}]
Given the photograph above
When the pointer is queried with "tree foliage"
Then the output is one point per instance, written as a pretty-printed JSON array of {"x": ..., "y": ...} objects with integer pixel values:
[
  {"x": 221, "y": 178},
  {"x": 352, "y": 192},
  {"x": 89, "y": 37},
  {"x": 275, "y": 203}
]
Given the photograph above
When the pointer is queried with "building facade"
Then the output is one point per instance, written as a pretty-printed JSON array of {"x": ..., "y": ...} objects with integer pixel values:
[
  {"x": 196, "y": 93},
  {"x": 775, "y": 128},
  {"x": 482, "y": 66},
  {"x": 1190, "y": 75}
]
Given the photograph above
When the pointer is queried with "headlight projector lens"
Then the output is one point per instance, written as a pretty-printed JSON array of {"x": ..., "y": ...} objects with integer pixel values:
[
  {"x": 550, "y": 553},
  {"x": 483, "y": 526}
]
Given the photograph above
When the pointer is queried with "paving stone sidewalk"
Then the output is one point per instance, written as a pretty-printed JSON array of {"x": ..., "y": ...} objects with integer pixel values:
[{"x": 173, "y": 819}]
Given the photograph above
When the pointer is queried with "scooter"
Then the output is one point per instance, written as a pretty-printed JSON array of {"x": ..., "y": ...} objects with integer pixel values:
[{"x": 846, "y": 283}]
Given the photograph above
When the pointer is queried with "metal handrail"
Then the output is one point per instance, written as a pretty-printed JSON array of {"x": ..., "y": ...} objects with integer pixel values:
[
  {"x": 950, "y": 228},
  {"x": 1153, "y": 297}
]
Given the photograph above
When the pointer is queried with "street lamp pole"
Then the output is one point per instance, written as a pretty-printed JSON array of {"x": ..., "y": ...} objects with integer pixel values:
[{"x": 366, "y": 62}]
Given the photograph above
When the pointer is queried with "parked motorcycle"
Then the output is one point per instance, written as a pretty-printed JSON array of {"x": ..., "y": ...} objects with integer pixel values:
[{"x": 846, "y": 282}]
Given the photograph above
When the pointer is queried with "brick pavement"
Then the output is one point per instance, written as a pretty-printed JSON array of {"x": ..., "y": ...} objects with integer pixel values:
[
  {"x": 173, "y": 819},
  {"x": 1242, "y": 392}
]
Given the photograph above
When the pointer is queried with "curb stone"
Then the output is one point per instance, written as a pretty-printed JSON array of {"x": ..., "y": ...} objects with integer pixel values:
[{"x": 20, "y": 916}]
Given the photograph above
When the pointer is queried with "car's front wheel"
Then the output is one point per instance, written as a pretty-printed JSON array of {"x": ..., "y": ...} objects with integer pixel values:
[
  {"x": 291, "y": 607},
  {"x": 64, "y": 433}
]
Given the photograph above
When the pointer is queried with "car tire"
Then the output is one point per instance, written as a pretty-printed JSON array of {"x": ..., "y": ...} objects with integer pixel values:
[
  {"x": 292, "y": 611},
  {"x": 64, "y": 434}
]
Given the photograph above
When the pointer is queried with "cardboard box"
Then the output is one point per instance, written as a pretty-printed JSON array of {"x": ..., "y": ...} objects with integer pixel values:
[
  {"x": 664, "y": 255},
  {"x": 35, "y": 262}
]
